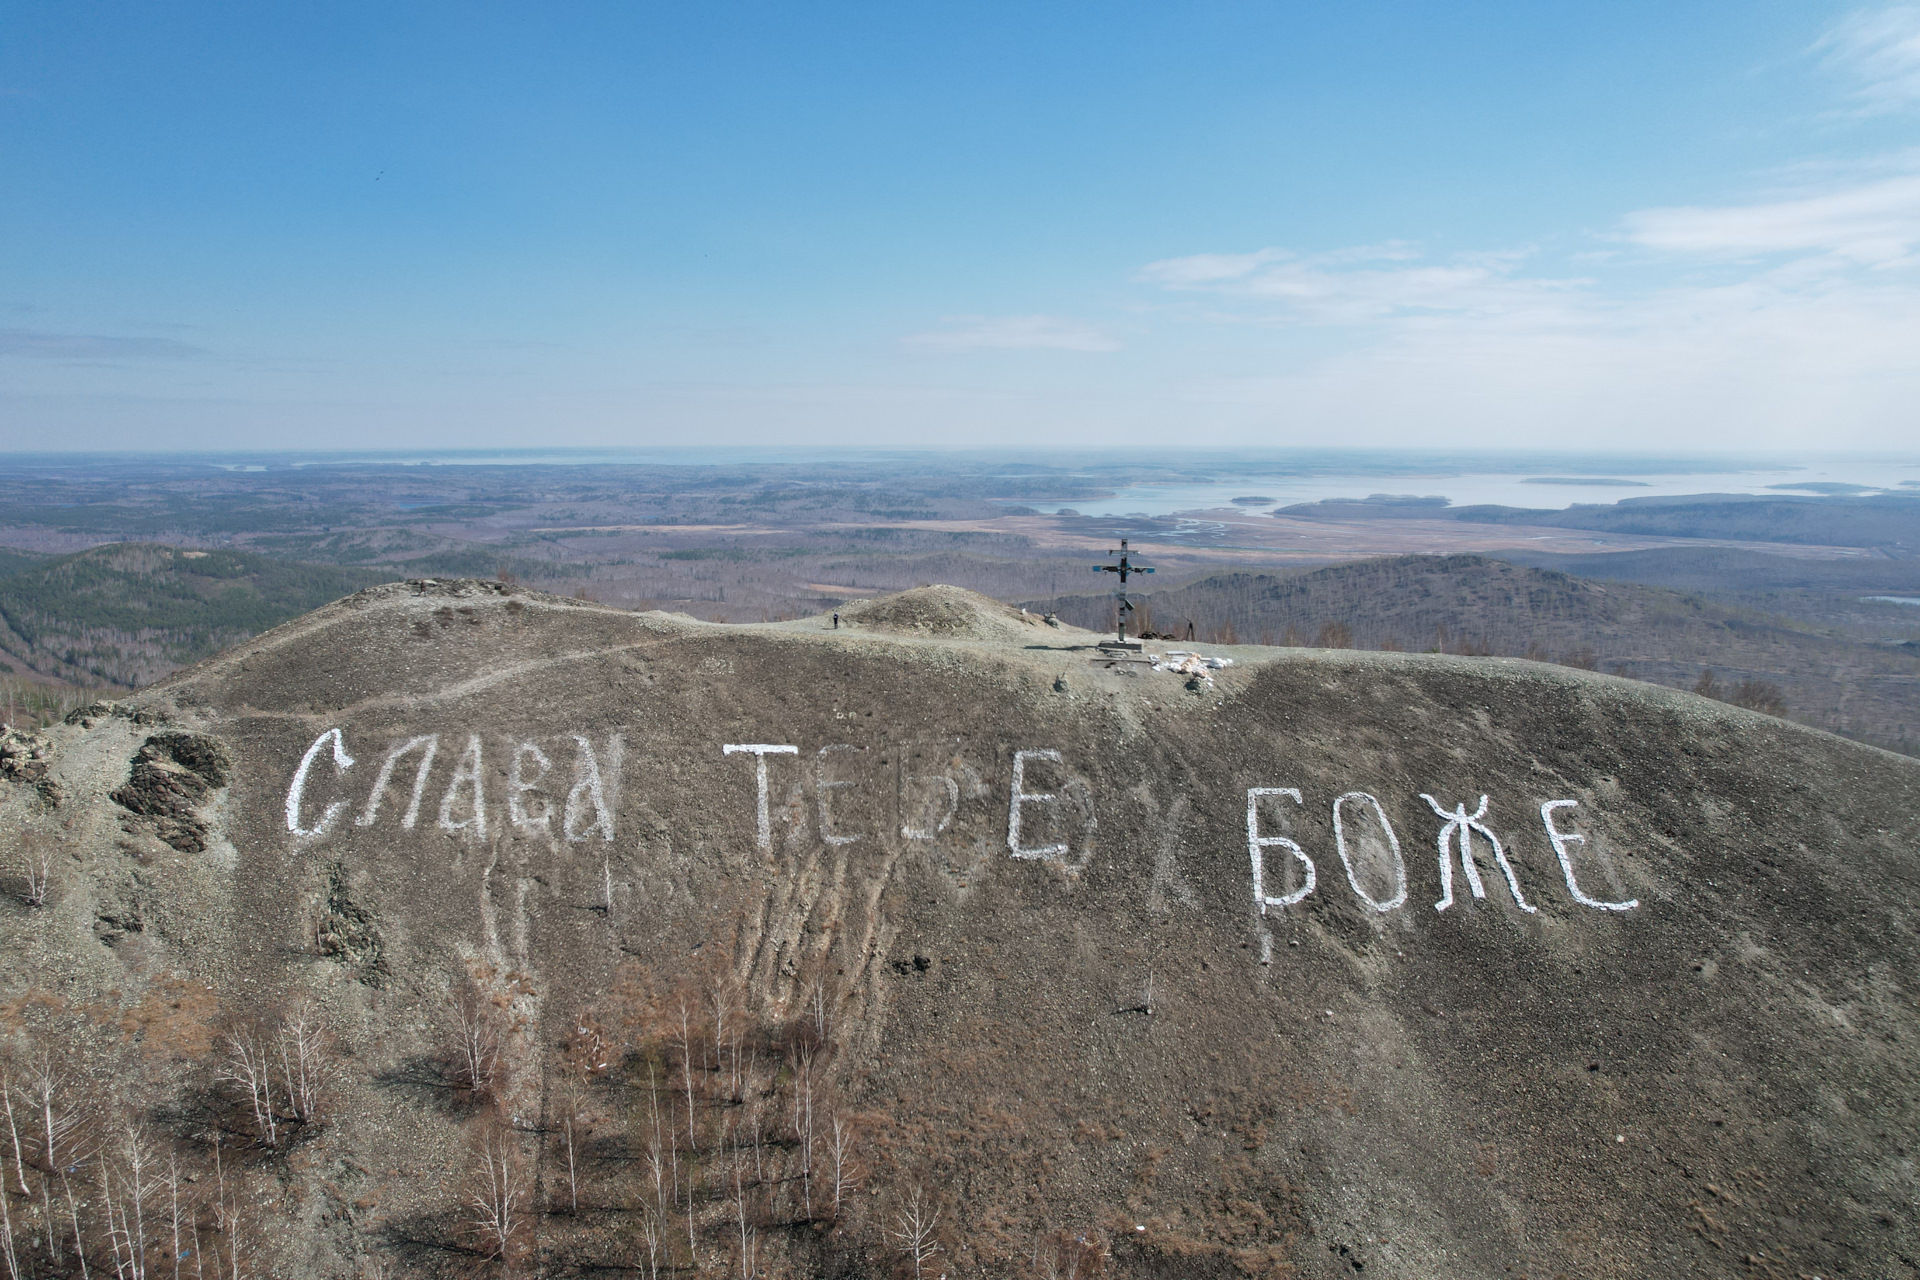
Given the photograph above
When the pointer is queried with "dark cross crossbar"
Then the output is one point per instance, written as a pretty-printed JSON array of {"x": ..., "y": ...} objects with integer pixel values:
[{"x": 1124, "y": 567}]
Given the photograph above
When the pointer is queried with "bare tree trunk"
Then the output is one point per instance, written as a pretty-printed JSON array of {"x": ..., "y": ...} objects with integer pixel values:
[
  {"x": 53, "y": 1130},
  {"x": 477, "y": 1042},
  {"x": 740, "y": 1206},
  {"x": 138, "y": 1158},
  {"x": 19, "y": 1164},
  {"x": 650, "y": 1229},
  {"x": 303, "y": 1061},
  {"x": 8, "y": 1247},
  {"x": 803, "y": 1126},
  {"x": 39, "y": 869},
  {"x": 718, "y": 997},
  {"x": 573, "y": 1173},
  {"x": 838, "y": 1147},
  {"x": 693, "y": 1251},
  {"x": 498, "y": 1197},
  {"x": 249, "y": 1071},
  {"x": 73, "y": 1212},
  {"x": 686, "y": 1069},
  {"x": 913, "y": 1230},
  {"x": 173, "y": 1197},
  {"x": 654, "y": 1159},
  {"x": 120, "y": 1266},
  {"x": 7, "y": 1250},
  {"x": 226, "y": 1220}
]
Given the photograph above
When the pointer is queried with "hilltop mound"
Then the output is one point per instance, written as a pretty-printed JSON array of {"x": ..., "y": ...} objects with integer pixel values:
[
  {"x": 464, "y": 921},
  {"x": 948, "y": 613}
]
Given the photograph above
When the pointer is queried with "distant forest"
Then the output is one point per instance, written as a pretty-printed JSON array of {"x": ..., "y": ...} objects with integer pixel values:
[
  {"x": 125, "y": 614},
  {"x": 1889, "y": 521}
]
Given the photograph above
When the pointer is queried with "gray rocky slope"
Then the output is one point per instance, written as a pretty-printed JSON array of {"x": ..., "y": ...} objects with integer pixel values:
[{"x": 571, "y": 890}]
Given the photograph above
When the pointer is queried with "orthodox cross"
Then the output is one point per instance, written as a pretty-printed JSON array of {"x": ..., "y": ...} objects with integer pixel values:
[{"x": 1124, "y": 567}]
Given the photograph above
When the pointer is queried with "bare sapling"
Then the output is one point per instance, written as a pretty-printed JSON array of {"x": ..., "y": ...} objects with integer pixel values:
[
  {"x": 248, "y": 1071},
  {"x": 570, "y": 1126},
  {"x": 55, "y": 1133},
  {"x": 730, "y": 1071},
  {"x": 803, "y": 1124},
  {"x": 693, "y": 1247},
  {"x": 305, "y": 1061},
  {"x": 177, "y": 1213},
  {"x": 496, "y": 1202},
  {"x": 650, "y": 1231},
  {"x": 757, "y": 1120},
  {"x": 9, "y": 1251},
  {"x": 37, "y": 863},
  {"x": 840, "y": 1153},
  {"x": 478, "y": 1040},
  {"x": 139, "y": 1180},
  {"x": 722, "y": 1000},
  {"x": 913, "y": 1228},
  {"x": 226, "y": 1223},
  {"x": 121, "y": 1264},
  {"x": 748, "y": 1242},
  {"x": 9, "y": 1247},
  {"x": 656, "y": 1163},
  {"x": 18, "y": 1151},
  {"x": 686, "y": 1069}
]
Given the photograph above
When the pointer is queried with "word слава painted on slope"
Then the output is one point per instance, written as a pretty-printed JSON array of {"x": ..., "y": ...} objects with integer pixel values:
[{"x": 534, "y": 804}]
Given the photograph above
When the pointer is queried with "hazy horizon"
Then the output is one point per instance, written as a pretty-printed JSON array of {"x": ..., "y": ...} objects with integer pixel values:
[{"x": 1150, "y": 482}]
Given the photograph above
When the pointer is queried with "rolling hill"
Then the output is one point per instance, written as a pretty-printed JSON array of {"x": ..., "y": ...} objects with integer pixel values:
[{"x": 453, "y": 929}]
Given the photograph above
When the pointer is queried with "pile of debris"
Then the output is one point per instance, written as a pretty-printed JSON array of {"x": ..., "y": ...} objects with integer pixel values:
[{"x": 1182, "y": 663}]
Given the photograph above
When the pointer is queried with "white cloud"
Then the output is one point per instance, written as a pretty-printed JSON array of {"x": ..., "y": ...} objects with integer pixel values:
[
  {"x": 1012, "y": 333},
  {"x": 1791, "y": 321},
  {"x": 1874, "y": 223},
  {"x": 1329, "y": 289},
  {"x": 89, "y": 346},
  {"x": 1880, "y": 52}
]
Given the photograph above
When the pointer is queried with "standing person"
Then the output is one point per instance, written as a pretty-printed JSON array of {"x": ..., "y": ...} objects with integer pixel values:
[{"x": 836, "y": 622}]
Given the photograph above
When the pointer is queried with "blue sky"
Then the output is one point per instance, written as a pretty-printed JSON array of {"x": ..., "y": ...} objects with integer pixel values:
[{"x": 1624, "y": 225}]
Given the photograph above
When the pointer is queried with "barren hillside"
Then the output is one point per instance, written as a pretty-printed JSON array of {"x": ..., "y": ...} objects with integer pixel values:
[{"x": 449, "y": 924}]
